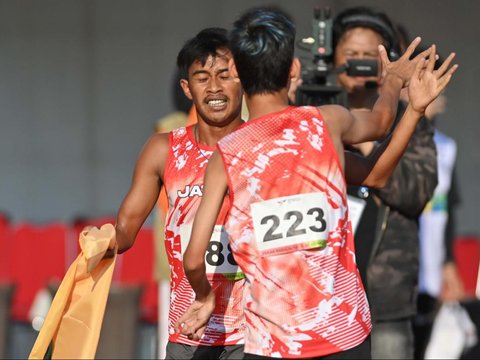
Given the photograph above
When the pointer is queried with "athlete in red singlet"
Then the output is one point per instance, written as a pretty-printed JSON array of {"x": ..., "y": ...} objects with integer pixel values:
[
  {"x": 283, "y": 168},
  {"x": 177, "y": 161},
  {"x": 183, "y": 181},
  {"x": 288, "y": 220}
]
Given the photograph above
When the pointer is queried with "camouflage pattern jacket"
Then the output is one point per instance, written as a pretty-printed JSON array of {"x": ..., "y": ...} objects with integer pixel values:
[{"x": 392, "y": 267}]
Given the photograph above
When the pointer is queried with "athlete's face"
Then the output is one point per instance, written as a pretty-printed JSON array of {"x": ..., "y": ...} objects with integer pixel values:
[
  {"x": 217, "y": 95},
  {"x": 357, "y": 43}
]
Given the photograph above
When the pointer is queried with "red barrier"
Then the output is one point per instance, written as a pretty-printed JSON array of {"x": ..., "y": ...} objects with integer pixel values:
[
  {"x": 466, "y": 250},
  {"x": 37, "y": 257},
  {"x": 33, "y": 255}
]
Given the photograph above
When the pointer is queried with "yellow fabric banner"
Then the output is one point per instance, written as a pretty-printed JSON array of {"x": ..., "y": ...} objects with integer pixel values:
[{"x": 74, "y": 320}]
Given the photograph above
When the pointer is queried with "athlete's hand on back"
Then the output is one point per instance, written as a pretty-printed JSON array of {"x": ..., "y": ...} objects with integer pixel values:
[{"x": 193, "y": 323}]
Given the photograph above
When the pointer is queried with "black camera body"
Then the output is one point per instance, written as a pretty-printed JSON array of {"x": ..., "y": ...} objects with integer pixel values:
[{"x": 319, "y": 84}]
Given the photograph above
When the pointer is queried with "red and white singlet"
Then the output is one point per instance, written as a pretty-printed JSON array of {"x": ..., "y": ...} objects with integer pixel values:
[
  {"x": 289, "y": 231},
  {"x": 183, "y": 181}
]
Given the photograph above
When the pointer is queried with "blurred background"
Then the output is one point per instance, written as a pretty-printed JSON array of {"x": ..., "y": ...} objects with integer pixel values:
[{"x": 83, "y": 83}]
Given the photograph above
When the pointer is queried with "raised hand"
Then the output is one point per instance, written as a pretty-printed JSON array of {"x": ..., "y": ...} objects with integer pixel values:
[
  {"x": 426, "y": 83},
  {"x": 194, "y": 321},
  {"x": 404, "y": 67}
]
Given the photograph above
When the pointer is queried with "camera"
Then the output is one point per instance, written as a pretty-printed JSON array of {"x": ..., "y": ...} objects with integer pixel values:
[{"x": 319, "y": 84}]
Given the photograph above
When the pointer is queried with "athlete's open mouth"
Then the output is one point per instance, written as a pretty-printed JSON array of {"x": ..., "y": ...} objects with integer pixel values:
[{"x": 217, "y": 103}]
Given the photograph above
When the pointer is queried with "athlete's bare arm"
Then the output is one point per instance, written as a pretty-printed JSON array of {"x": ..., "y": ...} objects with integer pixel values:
[
  {"x": 215, "y": 186},
  {"x": 144, "y": 190},
  {"x": 425, "y": 85}
]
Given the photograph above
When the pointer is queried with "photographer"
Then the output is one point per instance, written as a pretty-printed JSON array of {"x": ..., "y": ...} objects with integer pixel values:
[{"x": 386, "y": 238}]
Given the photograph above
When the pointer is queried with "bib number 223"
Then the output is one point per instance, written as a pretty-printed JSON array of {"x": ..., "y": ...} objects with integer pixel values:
[{"x": 290, "y": 222}]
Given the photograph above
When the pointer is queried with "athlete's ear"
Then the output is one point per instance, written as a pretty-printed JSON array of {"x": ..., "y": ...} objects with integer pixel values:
[
  {"x": 232, "y": 69},
  {"x": 186, "y": 88},
  {"x": 295, "y": 69},
  {"x": 295, "y": 80}
]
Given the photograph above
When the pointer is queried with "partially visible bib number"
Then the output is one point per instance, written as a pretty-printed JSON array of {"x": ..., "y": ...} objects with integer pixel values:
[
  {"x": 219, "y": 258},
  {"x": 291, "y": 223}
]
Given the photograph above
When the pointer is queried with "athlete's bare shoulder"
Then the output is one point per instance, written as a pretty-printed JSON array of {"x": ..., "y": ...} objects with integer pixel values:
[
  {"x": 155, "y": 152},
  {"x": 160, "y": 141},
  {"x": 336, "y": 118}
]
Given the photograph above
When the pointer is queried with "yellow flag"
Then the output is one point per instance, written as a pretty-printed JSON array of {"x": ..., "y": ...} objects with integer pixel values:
[{"x": 74, "y": 320}]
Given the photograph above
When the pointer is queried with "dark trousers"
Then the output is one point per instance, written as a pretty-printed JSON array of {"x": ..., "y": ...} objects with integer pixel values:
[
  {"x": 427, "y": 308},
  {"x": 362, "y": 351}
]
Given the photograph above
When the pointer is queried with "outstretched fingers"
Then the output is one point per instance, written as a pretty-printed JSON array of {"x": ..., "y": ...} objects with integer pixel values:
[
  {"x": 411, "y": 48},
  {"x": 425, "y": 53},
  {"x": 446, "y": 65},
  {"x": 383, "y": 55},
  {"x": 445, "y": 79},
  {"x": 432, "y": 58},
  {"x": 419, "y": 67}
]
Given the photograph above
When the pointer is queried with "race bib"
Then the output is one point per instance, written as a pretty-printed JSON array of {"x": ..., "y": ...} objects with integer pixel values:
[
  {"x": 219, "y": 258},
  {"x": 291, "y": 223},
  {"x": 355, "y": 210}
]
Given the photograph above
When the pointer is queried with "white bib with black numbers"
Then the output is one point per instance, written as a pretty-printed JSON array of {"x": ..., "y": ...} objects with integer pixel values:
[
  {"x": 219, "y": 258},
  {"x": 291, "y": 223}
]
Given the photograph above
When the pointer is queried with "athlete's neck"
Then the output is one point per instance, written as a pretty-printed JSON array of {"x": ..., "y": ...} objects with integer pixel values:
[
  {"x": 209, "y": 135},
  {"x": 263, "y": 104}
]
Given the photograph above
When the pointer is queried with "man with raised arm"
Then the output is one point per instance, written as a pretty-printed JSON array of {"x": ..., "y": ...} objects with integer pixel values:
[{"x": 288, "y": 218}]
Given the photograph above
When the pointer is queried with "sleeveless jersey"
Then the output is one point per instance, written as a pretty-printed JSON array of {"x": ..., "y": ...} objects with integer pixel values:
[
  {"x": 183, "y": 181},
  {"x": 290, "y": 234}
]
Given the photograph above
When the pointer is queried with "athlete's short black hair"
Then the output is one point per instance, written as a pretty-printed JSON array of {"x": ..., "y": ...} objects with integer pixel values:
[
  {"x": 362, "y": 16},
  {"x": 262, "y": 43},
  {"x": 206, "y": 43}
]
